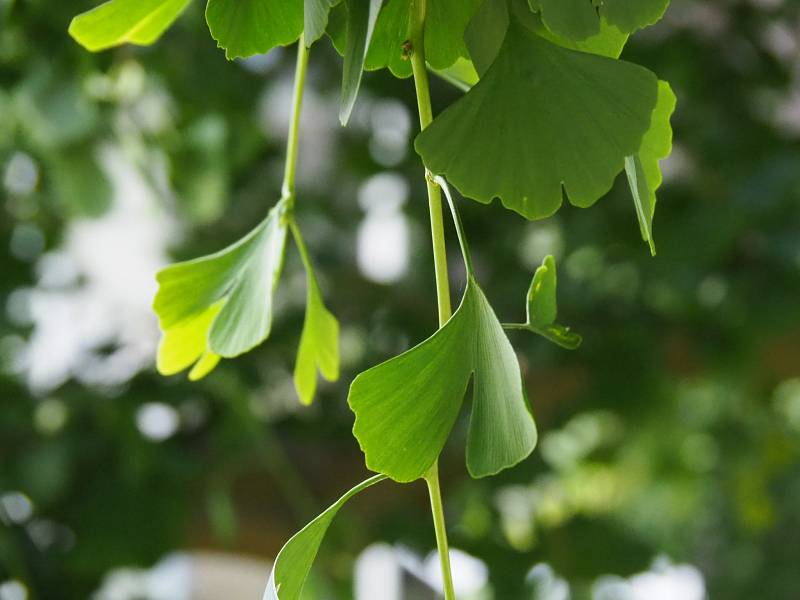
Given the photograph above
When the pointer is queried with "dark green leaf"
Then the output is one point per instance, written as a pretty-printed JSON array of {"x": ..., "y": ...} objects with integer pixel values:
[
  {"x": 485, "y": 33},
  {"x": 361, "y": 17},
  {"x": 248, "y": 27},
  {"x": 220, "y": 304},
  {"x": 294, "y": 561},
  {"x": 542, "y": 117},
  {"x": 541, "y": 308},
  {"x": 575, "y": 20},
  {"x": 125, "y": 21},
  {"x": 405, "y": 408}
]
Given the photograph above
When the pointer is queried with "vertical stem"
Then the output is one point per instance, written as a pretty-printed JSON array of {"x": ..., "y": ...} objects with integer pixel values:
[
  {"x": 417, "y": 48},
  {"x": 290, "y": 169},
  {"x": 416, "y": 35}
]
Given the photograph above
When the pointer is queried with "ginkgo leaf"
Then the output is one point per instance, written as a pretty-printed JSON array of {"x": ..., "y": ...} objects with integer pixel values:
[
  {"x": 630, "y": 15},
  {"x": 541, "y": 308},
  {"x": 247, "y": 27},
  {"x": 361, "y": 17},
  {"x": 125, "y": 21},
  {"x": 319, "y": 342},
  {"x": 405, "y": 408},
  {"x": 294, "y": 561},
  {"x": 573, "y": 19},
  {"x": 220, "y": 304},
  {"x": 643, "y": 170},
  {"x": 445, "y": 23},
  {"x": 315, "y": 19},
  {"x": 485, "y": 33},
  {"x": 541, "y": 118}
]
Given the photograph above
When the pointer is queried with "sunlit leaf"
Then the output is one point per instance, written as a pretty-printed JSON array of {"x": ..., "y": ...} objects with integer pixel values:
[
  {"x": 220, "y": 304},
  {"x": 247, "y": 27},
  {"x": 319, "y": 342},
  {"x": 541, "y": 308},
  {"x": 361, "y": 17},
  {"x": 630, "y": 15},
  {"x": 405, "y": 408},
  {"x": 294, "y": 561},
  {"x": 125, "y": 21},
  {"x": 542, "y": 117},
  {"x": 643, "y": 170}
]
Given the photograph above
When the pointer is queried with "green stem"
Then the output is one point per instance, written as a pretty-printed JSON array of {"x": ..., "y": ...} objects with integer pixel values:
[
  {"x": 417, "y": 49},
  {"x": 435, "y": 493},
  {"x": 416, "y": 39},
  {"x": 462, "y": 236},
  {"x": 290, "y": 169}
]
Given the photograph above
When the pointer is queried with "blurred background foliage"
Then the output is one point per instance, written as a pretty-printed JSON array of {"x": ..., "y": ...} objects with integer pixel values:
[{"x": 674, "y": 432}]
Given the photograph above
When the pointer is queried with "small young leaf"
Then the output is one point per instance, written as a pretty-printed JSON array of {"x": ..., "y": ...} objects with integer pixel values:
[
  {"x": 220, "y": 304},
  {"x": 541, "y": 117},
  {"x": 247, "y": 27},
  {"x": 361, "y": 17},
  {"x": 294, "y": 561},
  {"x": 643, "y": 170},
  {"x": 319, "y": 342},
  {"x": 630, "y": 15},
  {"x": 541, "y": 308},
  {"x": 315, "y": 19},
  {"x": 405, "y": 408},
  {"x": 125, "y": 21}
]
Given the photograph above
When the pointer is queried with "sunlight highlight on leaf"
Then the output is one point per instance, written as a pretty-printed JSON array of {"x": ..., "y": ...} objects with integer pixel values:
[
  {"x": 118, "y": 22},
  {"x": 220, "y": 304}
]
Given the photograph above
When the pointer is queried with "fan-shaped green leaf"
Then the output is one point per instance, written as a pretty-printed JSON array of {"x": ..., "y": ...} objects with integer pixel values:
[
  {"x": 361, "y": 17},
  {"x": 125, "y": 21},
  {"x": 541, "y": 308},
  {"x": 643, "y": 170},
  {"x": 405, "y": 408},
  {"x": 630, "y": 15},
  {"x": 294, "y": 561},
  {"x": 220, "y": 304},
  {"x": 247, "y": 27},
  {"x": 541, "y": 117}
]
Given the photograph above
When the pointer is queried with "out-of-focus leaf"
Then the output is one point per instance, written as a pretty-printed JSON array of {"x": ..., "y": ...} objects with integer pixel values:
[
  {"x": 247, "y": 27},
  {"x": 118, "y": 22},
  {"x": 542, "y": 117},
  {"x": 643, "y": 170},
  {"x": 361, "y": 17},
  {"x": 294, "y": 561},
  {"x": 220, "y": 304},
  {"x": 79, "y": 184},
  {"x": 405, "y": 408},
  {"x": 542, "y": 310}
]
